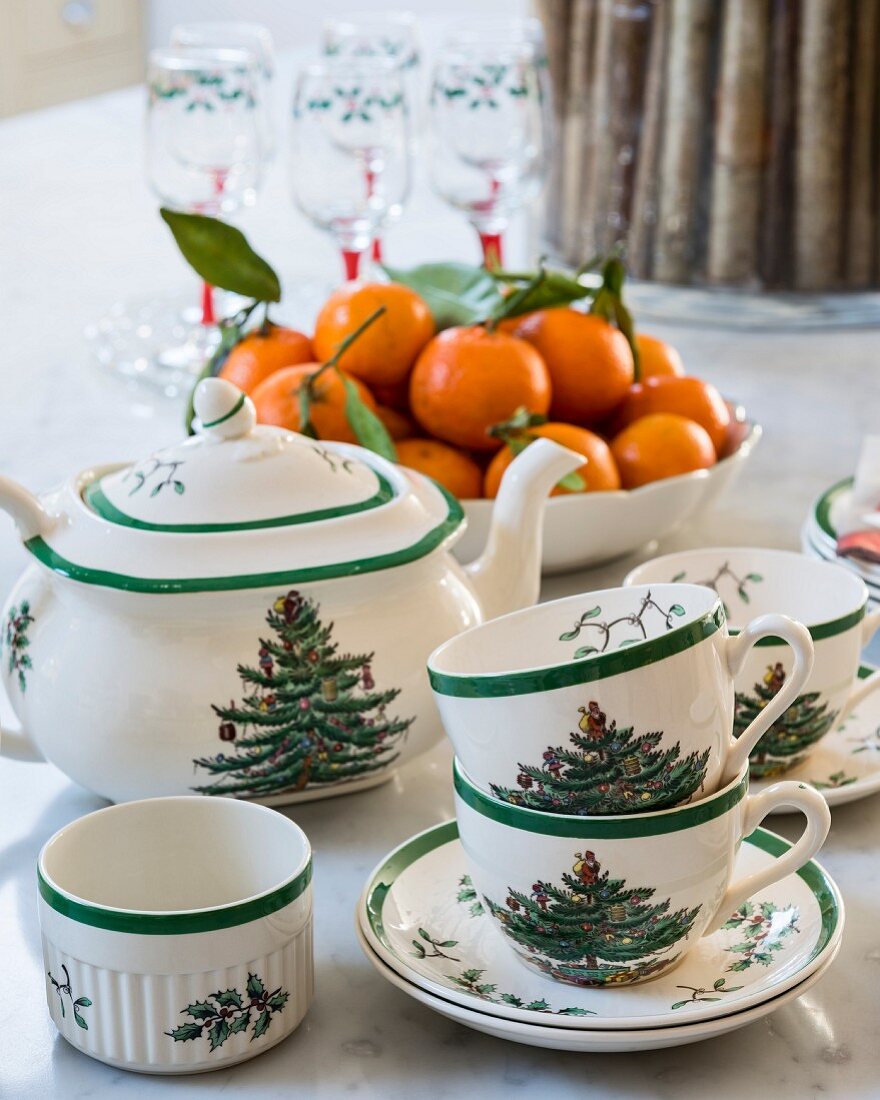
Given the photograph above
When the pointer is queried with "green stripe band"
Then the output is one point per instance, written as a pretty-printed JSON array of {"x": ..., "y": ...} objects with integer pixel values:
[
  {"x": 99, "y": 503},
  {"x": 419, "y": 846},
  {"x": 171, "y": 586},
  {"x": 174, "y": 924},
  {"x": 823, "y": 630},
  {"x": 599, "y": 828},
  {"x": 493, "y": 686},
  {"x": 825, "y": 502},
  {"x": 239, "y": 404}
]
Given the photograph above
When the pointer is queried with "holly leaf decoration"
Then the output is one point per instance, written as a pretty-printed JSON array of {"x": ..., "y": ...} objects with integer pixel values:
[
  {"x": 219, "y": 1033},
  {"x": 576, "y": 1012},
  {"x": 185, "y": 1032},
  {"x": 230, "y": 999},
  {"x": 201, "y": 1010},
  {"x": 368, "y": 428},
  {"x": 240, "y": 1023},
  {"x": 262, "y": 1025},
  {"x": 456, "y": 294},
  {"x": 254, "y": 987},
  {"x": 278, "y": 1000},
  {"x": 220, "y": 254},
  {"x": 538, "y": 1006}
]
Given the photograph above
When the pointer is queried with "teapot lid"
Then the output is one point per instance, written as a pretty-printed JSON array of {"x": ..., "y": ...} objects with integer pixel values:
[{"x": 240, "y": 505}]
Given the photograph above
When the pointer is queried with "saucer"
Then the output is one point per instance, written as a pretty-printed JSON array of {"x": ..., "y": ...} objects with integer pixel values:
[
  {"x": 845, "y": 764},
  {"x": 583, "y": 1039},
  {"x": 422, "y": 917}
]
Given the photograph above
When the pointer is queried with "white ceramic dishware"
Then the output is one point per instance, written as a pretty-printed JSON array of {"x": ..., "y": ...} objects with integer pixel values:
[
  {"x": 617, "y": 900},
  {"x": 608, "y": 702},
  {"x": 177, "y": 932},
  {"x": 582, "y": 1040},
  {"x": 248, "y": 613},
  {"x": 582, "y": 530},
  {"x": 828, "y": 599},
  {"x": 422, "y": 916}
]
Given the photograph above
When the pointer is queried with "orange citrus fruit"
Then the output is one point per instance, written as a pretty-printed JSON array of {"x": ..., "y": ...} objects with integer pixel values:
[
  {"x": 469, "y": 379},
  {"x": 397, "y": 423},
  {"x": 599, "y": 472},
  {"x": 277, "y": 401},
  {"x": 260, "y": 354},
  {"x": 661, "y": 445},
  {"x": 455, "y": 470},
  {"x": 589, "y": 360},
  {"x": 690, "y": 397},
  {"x": 657, "y": 358},
  {"x": 384, "y": 353}
]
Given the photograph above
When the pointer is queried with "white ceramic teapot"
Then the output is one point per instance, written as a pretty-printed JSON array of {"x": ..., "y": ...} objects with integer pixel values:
[{"x": 249, "y": 613}]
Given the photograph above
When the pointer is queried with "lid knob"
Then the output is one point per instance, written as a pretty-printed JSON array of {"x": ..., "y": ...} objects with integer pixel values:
[{"x": 222, "y": 410}]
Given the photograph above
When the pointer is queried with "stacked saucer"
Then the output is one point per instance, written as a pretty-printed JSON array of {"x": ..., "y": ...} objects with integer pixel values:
[
  {"x": 424, "y": 928},
  {"x": 820, "y": 530},
  {"x": 605, "y": 885}
]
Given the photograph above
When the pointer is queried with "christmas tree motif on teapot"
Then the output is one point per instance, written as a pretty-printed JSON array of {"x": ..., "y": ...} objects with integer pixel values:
[
  {"x": 786, "y": 742},
  {"x": 309, "y": 716},
  {"x": 593, "y": 930},
  {"x": 608, "y": 771},
  {"x": 590, "y": 621}
]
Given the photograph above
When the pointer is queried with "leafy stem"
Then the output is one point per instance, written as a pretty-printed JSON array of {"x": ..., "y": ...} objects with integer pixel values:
[
  {"x": 422, "y": 952},
  {"x": 63, "y": 990},
  {"x": 634, "y": 618},
  {"x": 700, "y": 994}
]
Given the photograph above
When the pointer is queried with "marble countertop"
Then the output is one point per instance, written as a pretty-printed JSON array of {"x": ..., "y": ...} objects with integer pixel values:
[{"x": 79, "y": 229}]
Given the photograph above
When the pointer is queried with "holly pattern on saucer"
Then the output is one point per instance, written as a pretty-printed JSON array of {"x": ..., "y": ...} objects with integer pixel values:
[
  {"x": 593, "y": 930},
  {"x": 608, "y": 771}
]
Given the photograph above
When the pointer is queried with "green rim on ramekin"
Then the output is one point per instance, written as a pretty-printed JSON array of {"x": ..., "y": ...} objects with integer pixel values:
[
  {"x": 822, "y": 507},
  {"x": 419, "y": 846},
  {"x": 611, "y": 827},
  {"x": 174, "y": 924},
  {"x": 499, "y": 684}
]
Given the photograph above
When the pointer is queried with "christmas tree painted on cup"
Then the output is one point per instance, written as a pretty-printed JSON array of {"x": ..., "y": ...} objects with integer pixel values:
[
  {"x": 791, "y": 735},
  {"x": 608, "y": 771},
  {"x": 593, "y": 930},
  {"x": 309, "y": 715}
]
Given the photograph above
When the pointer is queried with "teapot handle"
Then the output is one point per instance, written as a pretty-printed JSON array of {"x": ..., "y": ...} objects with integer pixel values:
[{"x": 14, "y": 742}]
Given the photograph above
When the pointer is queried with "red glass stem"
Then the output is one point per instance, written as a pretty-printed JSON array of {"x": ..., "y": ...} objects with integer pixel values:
[
  {"x": 376, "y": 250},
  {"x": 492, "y": 250},
  {"x": 352, "y": 261},
  {"x": 208, "y": 315}
]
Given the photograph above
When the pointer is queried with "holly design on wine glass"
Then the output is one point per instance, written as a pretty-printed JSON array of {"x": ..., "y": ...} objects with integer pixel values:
[
  {"x": 485, "y": 85},
  {"x": 204, "y": 91},
  {"x": 356, "y": 101}
]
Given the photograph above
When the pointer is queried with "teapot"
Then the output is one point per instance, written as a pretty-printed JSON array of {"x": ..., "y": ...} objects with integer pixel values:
[{"x": 249, "y": 613}]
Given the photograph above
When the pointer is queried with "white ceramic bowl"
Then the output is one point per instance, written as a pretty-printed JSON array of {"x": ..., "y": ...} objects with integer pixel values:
[
  {"x": 586, "y": 529},
  {"x": 177, "y": 932}
]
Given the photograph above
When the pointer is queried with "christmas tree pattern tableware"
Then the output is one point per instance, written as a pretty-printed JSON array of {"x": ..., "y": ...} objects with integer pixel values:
[
  {"x": 63, "y": 989},
  {"x": 607, "y": 771},
  {"x": 310, "y": 716},
  {"x": 229, "y": 1012},
  {"x": 590, "y": 620},
  {"x": 15, "y": 638},
  {"x": 790, "y": 737},
  {"x": 763, "y": 928},
  {"x": 593, "y": 930}
]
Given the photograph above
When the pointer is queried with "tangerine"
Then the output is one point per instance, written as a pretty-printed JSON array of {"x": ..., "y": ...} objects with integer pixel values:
[
  {"x": 397, "y": 423},
  {"x": 690, "y": 397},
  {"x": 386, "y": 351},
  {"x": 263, "y": 352},
  {"x": 455, "y": 470},
  {"x": 468, "y": 379},
  {"x": 277, "y": 401},
  {"x": 657, "y": 358},
  {"x": 589, "y": 360},
  {"x": 661, "y": 445},
  {"x": 599, "y": 472}
]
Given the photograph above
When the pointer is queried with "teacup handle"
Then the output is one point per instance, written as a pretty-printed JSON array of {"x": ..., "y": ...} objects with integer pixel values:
[
  {"x": 738, "y": 646},
  {"x": 862, "y": 688},
  {"x": 788, "y": 793}
]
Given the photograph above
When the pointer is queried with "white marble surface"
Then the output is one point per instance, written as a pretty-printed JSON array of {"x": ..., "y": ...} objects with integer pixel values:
[{"x": 78, "y": 228}]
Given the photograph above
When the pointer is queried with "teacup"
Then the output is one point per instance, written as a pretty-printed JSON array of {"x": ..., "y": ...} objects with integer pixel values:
[
  {"x": 828, "y": 599},
  {"x": 177, "y": 932},
  {"x": 610, "y": 702},
  {"x": 596, "y": 901}
]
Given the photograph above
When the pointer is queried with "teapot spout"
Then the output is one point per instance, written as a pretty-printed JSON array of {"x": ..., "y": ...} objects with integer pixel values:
[
  {"x": 30, "y": 517},
  {"x": 507, "y": 575}
]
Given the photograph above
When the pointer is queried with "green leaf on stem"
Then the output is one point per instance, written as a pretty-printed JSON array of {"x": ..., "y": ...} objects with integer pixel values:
[
  {"x": 220, "y": 254},
  {"x": 254, "y": 987},
  {"x": 184, "y": 1032},
  {"x": 456, "y": 294},
  {"x": 369, "y": 429}
]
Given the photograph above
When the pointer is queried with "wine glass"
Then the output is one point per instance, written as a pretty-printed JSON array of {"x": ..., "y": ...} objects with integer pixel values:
[
  {"x": 204, "y": 155},
  {"x": 489, "y": 139},
  {"x": 257, "y": 40},
  {"x": 391, "y": 36},
  {"x": 350, "y": 151}
]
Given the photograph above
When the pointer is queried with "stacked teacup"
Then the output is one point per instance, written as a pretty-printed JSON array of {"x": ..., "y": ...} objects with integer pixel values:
[{"x": 601, "y": 795}]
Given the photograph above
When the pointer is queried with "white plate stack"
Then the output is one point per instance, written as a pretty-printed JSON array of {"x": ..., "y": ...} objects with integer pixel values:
[{"x": 820, "y": 530}]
